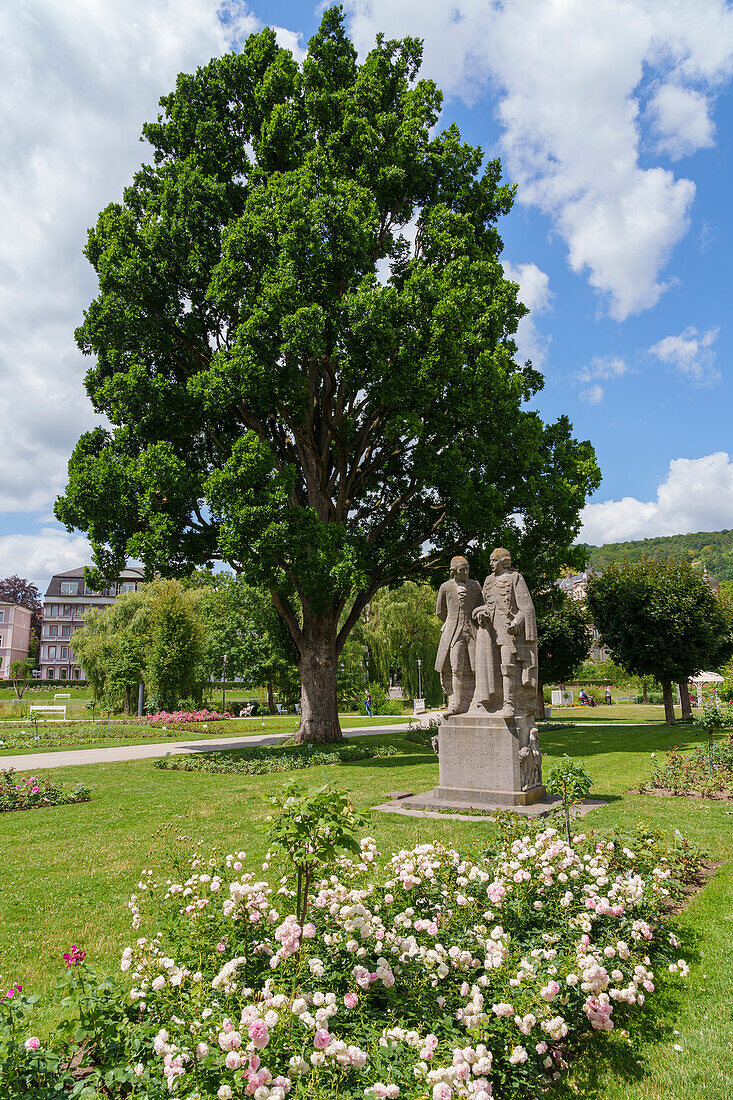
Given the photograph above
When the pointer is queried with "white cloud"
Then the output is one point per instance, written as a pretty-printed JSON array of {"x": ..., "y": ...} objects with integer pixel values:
[
  {"x": 691, "y": 353},
  {"x": 593, "y": 395},
  {"x": 697, "y": 495},
  {"x": 79, "y": 79},
  {"x": 37, "y": 557},
  {"x": 605, "y": 368},
  {"x": 535, "y": 293},
  {"x": 570, "y": 75},
  {"x": 680, "y": 117}
]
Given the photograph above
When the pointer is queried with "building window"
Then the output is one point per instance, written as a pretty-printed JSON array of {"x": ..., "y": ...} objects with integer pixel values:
[
  {"x": 53, "y": 631},
  {"x": 69, "y": 588},
  {"x": 51, "y": 652},
  {"x": 2, "y": 616},
  {"x": 127, "y": 586},
  {"x": 65, "y": 631},
  {"x": 77, "y": 673},
  {"x": 62, "y": 673},
  {"x": 64, "y": 653},
  {"x": 49, "y": 674},
  {"x": 53, "y": 610},
  {"x": 67, "y": 610}
]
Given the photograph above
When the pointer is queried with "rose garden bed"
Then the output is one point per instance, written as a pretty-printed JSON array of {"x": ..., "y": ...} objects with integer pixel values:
[
  {"x": 706, "y": 772},
  {"x": 34, "y": 792},
  {"x": 425, "y": 975},
  {"x": 260, "y": 760}
]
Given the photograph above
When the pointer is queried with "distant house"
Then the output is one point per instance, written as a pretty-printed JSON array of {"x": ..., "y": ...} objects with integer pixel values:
[
  {"x": 576, "y": 587},
  {"x": 15, "y": 636},
  {"x": 65, "y": 604}
]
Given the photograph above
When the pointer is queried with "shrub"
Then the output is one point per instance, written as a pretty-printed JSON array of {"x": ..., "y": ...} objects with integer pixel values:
[
  {"x": 381, "y": 703},
  {"x": 33, "y": 792},
  {"x": 184, "y": 717},
  {"x": 707, "y": 771}
]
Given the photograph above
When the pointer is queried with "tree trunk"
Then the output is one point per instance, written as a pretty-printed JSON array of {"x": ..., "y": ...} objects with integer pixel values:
[
  {"x": 668, "y": 703},
  {"x": 685, "y": 701},
  {"x": 271, "y": 698},
  {"x": 540, "y": 702},
  {"x": 319, "y": 720}
]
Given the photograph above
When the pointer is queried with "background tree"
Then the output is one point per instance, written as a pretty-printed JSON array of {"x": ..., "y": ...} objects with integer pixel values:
[
  {"x": 20, "y": 591},
  {"x": 563, "y": 639},
  {"x": 304, "y": 344},
  {"x": 239, "y": 619},
  {"x": 401, "y": 629},
  {"x": 661, "y": 619},
  {"x": 153, "y": 635},
  {"x": 20, "y": 672}
]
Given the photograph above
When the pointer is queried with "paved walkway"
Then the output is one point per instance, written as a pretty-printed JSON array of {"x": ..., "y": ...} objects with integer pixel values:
[{"x": 32, "y": 761}]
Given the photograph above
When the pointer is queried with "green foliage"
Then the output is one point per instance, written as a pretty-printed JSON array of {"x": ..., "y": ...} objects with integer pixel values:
[
  {"x": 711, "y": 550},
  {"x": 400, "y": 629},
  {"x": 607, "y": 672},
  {"x": 312, "y": 829},
  {"x": 153, "y": 635},
  {"x": 239, "y": 619},
  {"x": 261, "y": 761},
  {"x": 659, "y": 618},
  {"x": 381, "y": 702},
  {"x": 563, "y": 634},
  {"x": 274, "y": 403},
  {"x": 571, "y": 782},
  {"x": 707, "y": 771},
  {"x": 20, "y": 672},
  {"x": 27, "y": 1073}
]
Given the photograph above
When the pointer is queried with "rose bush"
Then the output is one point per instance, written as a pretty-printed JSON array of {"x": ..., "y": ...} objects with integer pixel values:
[
  {"x": 427, "y": 975},
  {"x": 33, "y": 792}
]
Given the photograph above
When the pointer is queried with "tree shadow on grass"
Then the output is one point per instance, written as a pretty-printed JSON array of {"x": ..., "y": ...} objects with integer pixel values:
[{"x": 603, "y": 740}]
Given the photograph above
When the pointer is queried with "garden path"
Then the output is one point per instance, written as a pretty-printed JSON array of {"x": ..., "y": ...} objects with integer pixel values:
[{"x": 29, "y": 762}]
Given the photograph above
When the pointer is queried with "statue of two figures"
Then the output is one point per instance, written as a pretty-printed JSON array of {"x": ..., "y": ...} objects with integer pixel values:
[{"x": 487, "y": 657}]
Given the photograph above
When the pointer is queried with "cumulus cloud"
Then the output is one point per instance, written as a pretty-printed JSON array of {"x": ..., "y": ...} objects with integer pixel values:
[
  {"x": 691, "y": 353},
  {"x": 79, "y": 80},
  {"x": 37, "y": 557},
  {"x": 697, "y": 495},
  {"x": 680, "y": 117},
  {"x": 569, "y": 77},
  {"x": 535, "y": 293}
]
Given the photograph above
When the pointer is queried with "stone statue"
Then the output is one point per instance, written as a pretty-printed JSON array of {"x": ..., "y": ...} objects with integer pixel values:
[
  {"x": 457, "y": 600},
  {"x": 505, "y": 660},
  {"x": 530, "y": 762}
]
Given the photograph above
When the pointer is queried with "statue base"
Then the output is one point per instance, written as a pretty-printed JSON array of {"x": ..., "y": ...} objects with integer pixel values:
[{"x": 479, "y": 761}]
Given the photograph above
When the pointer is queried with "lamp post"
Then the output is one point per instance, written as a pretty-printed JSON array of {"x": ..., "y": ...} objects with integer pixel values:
[
  {"x": 224, "y": 685},
  {"x": 419, "y": 677}
]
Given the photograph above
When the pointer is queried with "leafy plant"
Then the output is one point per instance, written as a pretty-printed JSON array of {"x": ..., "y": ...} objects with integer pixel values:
[
  {"x": 571, "y": 782},
  {"x": 712, "y": 720},
  {"x": 260, "y": 761},
  {"x": 311, "y": 830},
  {"x": 32, "y": 792}
]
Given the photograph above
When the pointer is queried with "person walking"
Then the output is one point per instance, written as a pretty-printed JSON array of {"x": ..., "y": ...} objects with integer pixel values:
[
  {"x": 368, "y": 702},
  {"x": 608, "y": 695}
]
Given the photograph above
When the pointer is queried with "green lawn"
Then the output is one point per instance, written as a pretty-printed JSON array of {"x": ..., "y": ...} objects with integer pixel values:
[{"x": 68, "y": 871}]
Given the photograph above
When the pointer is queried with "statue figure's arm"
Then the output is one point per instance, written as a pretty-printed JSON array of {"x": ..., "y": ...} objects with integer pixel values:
[{"x": 441, "y": 608}]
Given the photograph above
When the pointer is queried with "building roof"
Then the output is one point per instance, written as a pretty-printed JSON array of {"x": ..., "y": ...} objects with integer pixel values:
[{"x": 131, "y": 572}]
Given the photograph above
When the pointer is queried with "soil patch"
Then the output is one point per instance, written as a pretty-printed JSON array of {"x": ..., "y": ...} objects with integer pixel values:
[{"x": 667, "y": 792}]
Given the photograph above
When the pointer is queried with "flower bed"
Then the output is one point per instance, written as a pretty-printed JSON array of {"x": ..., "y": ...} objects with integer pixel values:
[
  {"x": 707, "y": 771},
  {"x": 260, "y": 760},
  {"x": 184, "y": 717},
  {"x": 32, "y": 792}
]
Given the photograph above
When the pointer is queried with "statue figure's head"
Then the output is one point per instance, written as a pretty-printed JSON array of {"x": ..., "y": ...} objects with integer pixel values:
[
  {"x": 459, "y": 570},
  {"x": 501, "y": 560}
]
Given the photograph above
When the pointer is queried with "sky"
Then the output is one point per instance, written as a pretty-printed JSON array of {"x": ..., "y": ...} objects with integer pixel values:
[{"x": 614, "y": 121}]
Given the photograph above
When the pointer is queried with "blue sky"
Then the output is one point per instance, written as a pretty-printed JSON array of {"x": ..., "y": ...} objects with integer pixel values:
[{"x": 614, "y": 119}]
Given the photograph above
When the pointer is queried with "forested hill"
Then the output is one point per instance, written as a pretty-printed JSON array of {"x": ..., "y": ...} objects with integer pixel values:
[{"x": 713, "y": 548}]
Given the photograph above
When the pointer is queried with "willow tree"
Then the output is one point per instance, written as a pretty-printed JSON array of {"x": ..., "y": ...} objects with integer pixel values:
[{"x": 303, "y": 345}]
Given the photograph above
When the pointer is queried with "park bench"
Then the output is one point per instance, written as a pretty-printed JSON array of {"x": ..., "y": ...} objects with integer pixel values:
[
  {"x": 60, "y": 696},
  {"x": 47, "y": 710}
]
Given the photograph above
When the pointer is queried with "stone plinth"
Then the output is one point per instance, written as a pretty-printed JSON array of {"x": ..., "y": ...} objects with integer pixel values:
[{"x": 480, "y": 764}]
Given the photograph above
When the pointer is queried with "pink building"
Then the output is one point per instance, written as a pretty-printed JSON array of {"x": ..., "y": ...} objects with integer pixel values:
[{"x": 15, "y": 636}]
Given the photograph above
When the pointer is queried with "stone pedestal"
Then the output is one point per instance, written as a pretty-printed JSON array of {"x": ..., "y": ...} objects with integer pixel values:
[{"x": 480, "y": 764}]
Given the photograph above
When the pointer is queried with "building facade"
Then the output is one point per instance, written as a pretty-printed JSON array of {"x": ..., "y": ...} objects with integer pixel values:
[
  {"x": 67, "y": 600},
  {"x": 15, "y": 636}
]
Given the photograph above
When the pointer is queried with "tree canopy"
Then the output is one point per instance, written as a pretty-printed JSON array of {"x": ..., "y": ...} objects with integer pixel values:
[
  {"x": 563, "y": 638},
  {"x": 304, "y": 345},
  {"x": 661, "y": 619}
]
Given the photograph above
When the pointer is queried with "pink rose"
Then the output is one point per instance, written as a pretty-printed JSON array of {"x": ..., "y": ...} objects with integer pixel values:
[
  {"x": 259, "y": 1033},
  {"x": 351, "y": 1000},
  {"x": 321, "y": 1039},
  {"x": 33, "y": 1043},
  {"x": 233, "y": 1059},
  {"x": 309, "y": 931}
]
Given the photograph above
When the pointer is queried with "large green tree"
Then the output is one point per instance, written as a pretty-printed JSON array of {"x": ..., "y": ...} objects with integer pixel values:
[
  {"x": 661, "y": 619},
  {"x": 303, "y": 344},
  {"x": 401, "y": 629},
  {"x": 563, "y": 639}
]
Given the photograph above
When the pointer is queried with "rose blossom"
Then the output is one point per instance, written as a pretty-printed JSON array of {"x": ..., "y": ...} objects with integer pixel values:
[
  {"x": 321, "y": 1039},
  {"x": 33, "y": 1043},
  {"x": 351, "y": 1000},
  {"x": 259, "y": 1033}
]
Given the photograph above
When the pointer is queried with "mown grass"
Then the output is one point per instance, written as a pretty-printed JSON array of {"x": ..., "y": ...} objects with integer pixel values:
[{"x": 68, "y": 872}]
